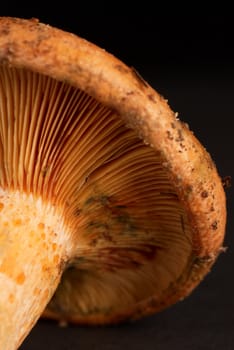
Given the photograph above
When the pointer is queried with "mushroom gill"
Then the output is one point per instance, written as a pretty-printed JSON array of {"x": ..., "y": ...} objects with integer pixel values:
[{"x": 131, "y": 232}]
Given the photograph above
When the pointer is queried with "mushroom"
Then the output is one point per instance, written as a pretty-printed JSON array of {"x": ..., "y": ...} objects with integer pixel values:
[{"x": 111, "y": 208}]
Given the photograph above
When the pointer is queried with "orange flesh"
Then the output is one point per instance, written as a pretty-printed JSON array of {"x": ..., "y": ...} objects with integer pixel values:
[{"x": 30, "y": 266}]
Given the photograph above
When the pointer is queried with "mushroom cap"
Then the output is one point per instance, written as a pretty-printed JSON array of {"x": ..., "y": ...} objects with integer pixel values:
[{"x": 152, "y": 209}]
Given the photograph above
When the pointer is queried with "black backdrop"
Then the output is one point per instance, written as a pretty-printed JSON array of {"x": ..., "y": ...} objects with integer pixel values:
[{"x": 188, "y": 58}]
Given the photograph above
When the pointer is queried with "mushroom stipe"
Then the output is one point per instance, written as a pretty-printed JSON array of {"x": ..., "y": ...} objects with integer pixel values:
[{"x": 110, "y": 207}]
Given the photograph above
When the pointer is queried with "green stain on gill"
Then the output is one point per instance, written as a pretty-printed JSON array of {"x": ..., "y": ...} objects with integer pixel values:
[
  {"x": 97, "y": 224},
  {"x": 97, "y": 199},
  {"x": 107, "y": 217}
]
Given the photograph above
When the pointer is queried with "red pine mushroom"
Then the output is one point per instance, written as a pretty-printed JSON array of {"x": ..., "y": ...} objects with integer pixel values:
[{"x": 110, "y": 208}]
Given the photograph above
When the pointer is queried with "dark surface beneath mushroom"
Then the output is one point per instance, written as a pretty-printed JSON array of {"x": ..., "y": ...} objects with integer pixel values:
[{"x": 132, "y": 234}]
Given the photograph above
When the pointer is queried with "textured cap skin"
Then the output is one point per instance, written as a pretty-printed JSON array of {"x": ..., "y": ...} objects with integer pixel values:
[{"x": 67, "y": 57}]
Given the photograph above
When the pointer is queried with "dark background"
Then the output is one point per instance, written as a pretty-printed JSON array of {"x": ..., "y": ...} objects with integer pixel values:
[{"x": 188, "y": 58}]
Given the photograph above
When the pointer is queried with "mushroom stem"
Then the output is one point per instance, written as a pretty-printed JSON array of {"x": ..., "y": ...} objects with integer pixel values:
[{"x": 33, "y": 254}]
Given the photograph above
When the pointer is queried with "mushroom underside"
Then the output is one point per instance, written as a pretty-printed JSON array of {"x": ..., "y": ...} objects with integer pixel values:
[{"x": 131, "y": 234}]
